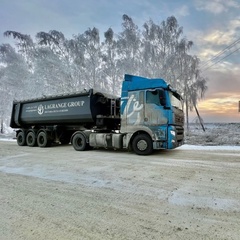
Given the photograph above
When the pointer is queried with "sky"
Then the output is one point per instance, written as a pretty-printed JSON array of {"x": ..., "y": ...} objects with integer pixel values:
[{"x": 213, "y": 26}]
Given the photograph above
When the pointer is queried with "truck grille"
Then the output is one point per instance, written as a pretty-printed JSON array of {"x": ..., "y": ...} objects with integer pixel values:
[{"x": 180, "y": 133}]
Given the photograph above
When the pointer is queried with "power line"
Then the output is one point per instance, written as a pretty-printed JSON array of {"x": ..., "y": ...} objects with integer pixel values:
[
  {"x": 222, "y": 51},
  {"x": 208, "y": 64},
  {"x": 220, "y": 59}
]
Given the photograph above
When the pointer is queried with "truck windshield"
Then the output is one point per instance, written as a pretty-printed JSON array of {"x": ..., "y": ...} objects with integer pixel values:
[{"x": 175, "y": 101}]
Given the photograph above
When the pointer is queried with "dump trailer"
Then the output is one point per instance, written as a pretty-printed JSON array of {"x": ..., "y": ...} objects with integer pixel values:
[{"x": 148, "y": 116}]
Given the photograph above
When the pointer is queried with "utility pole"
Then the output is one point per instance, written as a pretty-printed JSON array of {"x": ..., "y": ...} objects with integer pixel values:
[
  {"x": 1, "y": 130},
  {"x": 200, "y": 119}
]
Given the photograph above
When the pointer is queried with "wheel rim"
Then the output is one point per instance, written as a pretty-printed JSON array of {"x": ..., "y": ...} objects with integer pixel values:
[
  {"x": 30, "y": 139},
  {"x": 20, "y": 138},
  {"x": 79, "y": 142},
  {"x": 41, "y": 140},
  {"x": 142, "y": 145}
]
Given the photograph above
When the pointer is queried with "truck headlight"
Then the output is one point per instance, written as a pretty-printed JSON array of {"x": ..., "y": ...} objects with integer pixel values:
[{"x": 173, "y": 133}]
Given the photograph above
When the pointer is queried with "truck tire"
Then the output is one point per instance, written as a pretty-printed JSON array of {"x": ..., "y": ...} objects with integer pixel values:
[
  {"x": 31, "y": 139},
  {"x": 79, "y": 142},
  {"x": 142, "y": 144},
  {"x": 42, "y": 140},
  {"x": 21, "y": 140}
]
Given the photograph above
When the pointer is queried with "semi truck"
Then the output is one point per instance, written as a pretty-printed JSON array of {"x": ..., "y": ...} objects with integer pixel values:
[{"x": 148, "y": 116}]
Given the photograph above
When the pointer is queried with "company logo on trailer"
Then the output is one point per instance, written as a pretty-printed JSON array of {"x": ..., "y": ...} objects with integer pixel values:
[
  {"x": 58, "y": 107},
  {"x": 40, "y": 109}
]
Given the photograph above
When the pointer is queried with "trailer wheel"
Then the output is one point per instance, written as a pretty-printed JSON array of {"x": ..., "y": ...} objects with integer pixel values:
[
  {"x": 79, "y": 142},
  {"x": 21, "y": 139},
  {"x": 42, "y": 140},
  {"x": 31, "y": 139},
  {"x": 142, "y": 144}
]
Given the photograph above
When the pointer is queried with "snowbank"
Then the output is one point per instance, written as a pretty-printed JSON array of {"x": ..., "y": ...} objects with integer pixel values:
[
  {"x": 211, "y": 148},
  {"x": 215, "y": 134}
]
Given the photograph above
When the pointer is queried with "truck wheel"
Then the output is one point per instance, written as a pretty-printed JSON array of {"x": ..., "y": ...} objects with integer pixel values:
[
  {"x": 21, "y": 139},
  {"x": 79, "y": 142},
  {"x": 31, "y": 139},
  {"x": 42, "y": 140},
  {"x": 142, "y": 144}
]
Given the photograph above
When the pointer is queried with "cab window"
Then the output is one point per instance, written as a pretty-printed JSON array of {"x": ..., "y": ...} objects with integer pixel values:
[
  {"x": 152, "y": 97},
  {"x": 156, "y": 97}
]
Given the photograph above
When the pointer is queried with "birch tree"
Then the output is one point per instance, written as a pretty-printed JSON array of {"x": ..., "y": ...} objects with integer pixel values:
[
  {"x": 13, "y": 75},
  {"x": 111, "y": 64},
  {"x": 55, "y": 61},
  {"x": 129, "y": 47},
  {"x": 90, "y": 43}
]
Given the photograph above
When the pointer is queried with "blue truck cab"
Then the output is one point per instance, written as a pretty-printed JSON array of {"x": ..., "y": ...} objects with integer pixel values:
[{"x": 151, "y": 115}]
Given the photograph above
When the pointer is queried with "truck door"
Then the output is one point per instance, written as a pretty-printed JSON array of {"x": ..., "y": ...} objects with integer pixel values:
[{"x": 155, "y": 114}]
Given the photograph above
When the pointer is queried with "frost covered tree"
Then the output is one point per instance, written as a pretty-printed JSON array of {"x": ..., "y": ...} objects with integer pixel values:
[
  {"x": 160, "y": 47},
  {"x": 89, "y": 43},
  {"x": 111, "y": 64},
  {"x": 166, "y": 55},
  {"x": 54, "y": 64},
  {"x": 13, "y": 75},
  {"x": 129, "y": 50},
  {"x": 25, "y": 46}
]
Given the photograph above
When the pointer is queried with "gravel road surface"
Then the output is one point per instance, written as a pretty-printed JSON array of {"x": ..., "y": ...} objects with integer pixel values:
[{"x": 58, "y": 193}]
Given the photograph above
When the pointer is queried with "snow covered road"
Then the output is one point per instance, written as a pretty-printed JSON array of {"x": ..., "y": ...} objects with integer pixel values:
[{"x": 192, "y": 192}]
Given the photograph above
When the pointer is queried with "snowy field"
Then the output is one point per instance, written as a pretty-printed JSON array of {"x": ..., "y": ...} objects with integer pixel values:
[{"x": 215, "y": 134}]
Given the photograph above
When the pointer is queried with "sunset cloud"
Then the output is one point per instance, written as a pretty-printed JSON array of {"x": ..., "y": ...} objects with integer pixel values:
[{"x": 222, "y": 107}]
